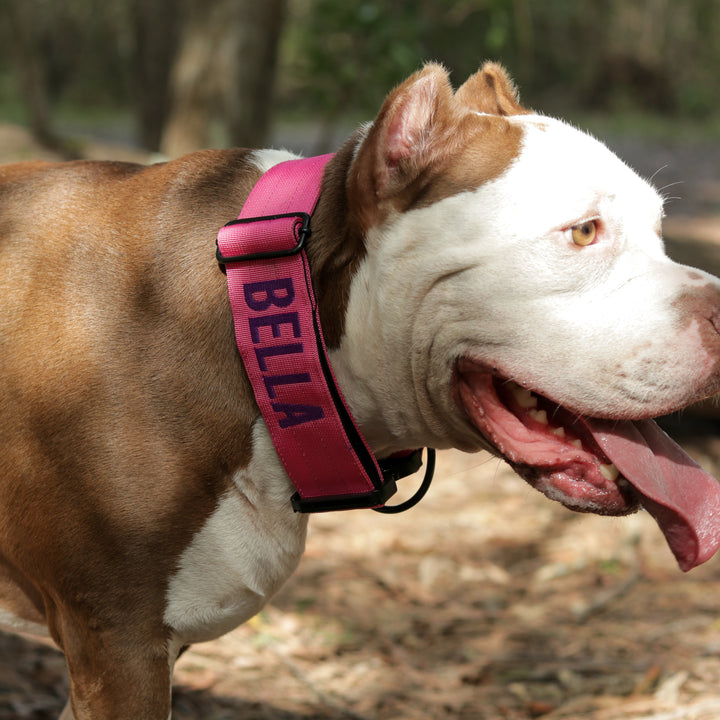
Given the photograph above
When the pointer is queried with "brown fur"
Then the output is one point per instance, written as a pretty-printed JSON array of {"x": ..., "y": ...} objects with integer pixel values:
[
  {"x": 109, "y": 431},
  {"x": 405, "y": 163},
  {"x": 125, "y": 406}
]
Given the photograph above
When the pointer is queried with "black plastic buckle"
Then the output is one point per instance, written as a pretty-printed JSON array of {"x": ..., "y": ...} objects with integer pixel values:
[
  {"x": 371, "y": 499},
  {"x": 392, "y": 470},
  {"x": 397, "y": 467},
  {"x": 302, "y": 233}
]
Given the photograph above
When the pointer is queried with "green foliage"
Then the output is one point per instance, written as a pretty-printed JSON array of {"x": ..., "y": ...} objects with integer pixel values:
[
  {"x": 340, "y": 57},
  {"x": 344, "y": 55},
  {"x": 80, "y": 41},
  {"x": 601, "y": 55}
]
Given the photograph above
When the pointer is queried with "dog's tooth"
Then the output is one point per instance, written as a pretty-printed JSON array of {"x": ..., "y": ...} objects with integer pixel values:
[
  {"x": 524, "y": 398},
  {"x": 539, "y": 416},
  {"x": 577, "y": 443},
  {"x": 559, "y": 432},
  {"x": 609, "y": 472}
]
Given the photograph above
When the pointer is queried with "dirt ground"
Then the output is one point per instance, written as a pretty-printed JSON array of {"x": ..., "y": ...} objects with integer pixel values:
[{"x": 486, "y": 602}]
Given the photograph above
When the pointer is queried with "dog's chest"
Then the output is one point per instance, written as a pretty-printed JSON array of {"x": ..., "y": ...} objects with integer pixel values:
[{"x": 244, "y": 552}]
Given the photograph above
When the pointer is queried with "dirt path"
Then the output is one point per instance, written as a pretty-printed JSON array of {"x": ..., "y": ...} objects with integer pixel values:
[{"x": 487, "y": 602}]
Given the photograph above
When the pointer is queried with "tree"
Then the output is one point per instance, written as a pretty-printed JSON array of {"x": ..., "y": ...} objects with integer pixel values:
[
  {"x": 153, "y": 32},
  {"x": 27, "y": 36},
  {"x": 225, "y": 70}
]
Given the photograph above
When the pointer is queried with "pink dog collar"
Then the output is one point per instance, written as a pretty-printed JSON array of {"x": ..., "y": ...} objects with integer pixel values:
[{"x": 278, "y": 334}]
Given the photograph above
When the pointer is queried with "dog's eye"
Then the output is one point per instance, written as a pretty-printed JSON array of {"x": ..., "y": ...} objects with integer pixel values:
[{"x": 585, "y": 233}]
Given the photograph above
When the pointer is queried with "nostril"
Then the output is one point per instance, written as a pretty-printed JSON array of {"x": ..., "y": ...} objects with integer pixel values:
[
  {"x": 698, "y": 303},
  {"x": 715, "y": 319}
]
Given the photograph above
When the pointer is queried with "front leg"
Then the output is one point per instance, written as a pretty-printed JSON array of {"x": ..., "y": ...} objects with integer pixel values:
[{"x": 117, "y": 675}]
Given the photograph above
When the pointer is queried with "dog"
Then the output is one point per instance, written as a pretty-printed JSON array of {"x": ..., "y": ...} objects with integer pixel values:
[{"x": 486, "y": 278}]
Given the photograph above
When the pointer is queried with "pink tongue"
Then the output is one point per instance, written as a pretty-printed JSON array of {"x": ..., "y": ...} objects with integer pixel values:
[{"x": 676, "y": 491}]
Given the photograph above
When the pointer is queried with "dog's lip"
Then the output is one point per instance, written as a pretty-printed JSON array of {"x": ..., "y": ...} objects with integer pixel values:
[
  {"x": 656, "y": 473},
  {"x": 582, "y": 478}
]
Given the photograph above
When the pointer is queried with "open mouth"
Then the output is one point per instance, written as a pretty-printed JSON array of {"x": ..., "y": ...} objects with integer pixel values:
[
  {"x": 609, "y": 467},
  {"x": 546, "y": 444}
]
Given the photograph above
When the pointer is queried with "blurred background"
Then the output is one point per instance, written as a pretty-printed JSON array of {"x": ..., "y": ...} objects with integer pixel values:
[
  {"x": 174, "y": 75},
  {"x": 488, "y": 601}
]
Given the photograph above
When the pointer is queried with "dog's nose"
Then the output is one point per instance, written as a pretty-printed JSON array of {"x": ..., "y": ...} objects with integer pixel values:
[
  {"x": 701, "y": 302},
  {"x": 709, "y": 304},
  {"x": 715, "y": 319}
]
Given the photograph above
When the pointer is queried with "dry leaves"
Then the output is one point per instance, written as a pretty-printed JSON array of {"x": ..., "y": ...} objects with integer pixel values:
[{"x": 486, "y": 602}]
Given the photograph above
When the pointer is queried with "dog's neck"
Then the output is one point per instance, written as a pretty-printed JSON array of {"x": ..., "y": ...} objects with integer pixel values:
[
  {"x": 273, "y": 302},
  {"x": 336, "y": 247}
]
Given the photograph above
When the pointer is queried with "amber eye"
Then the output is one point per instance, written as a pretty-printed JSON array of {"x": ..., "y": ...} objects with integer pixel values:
[{"x": 585, "y": 233}]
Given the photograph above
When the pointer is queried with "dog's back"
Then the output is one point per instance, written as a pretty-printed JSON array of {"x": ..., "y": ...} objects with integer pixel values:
[{"x": 486, "y": 278}]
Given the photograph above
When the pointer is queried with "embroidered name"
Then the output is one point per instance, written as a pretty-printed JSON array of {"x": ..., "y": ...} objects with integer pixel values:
[{"x": 260, "y": 297}]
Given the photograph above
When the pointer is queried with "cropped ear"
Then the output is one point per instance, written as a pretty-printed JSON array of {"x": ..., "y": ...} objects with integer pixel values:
[
  {"x": 491, "y": 91},
  {"x": 414, "y": 116},
  {"x": 410, "y": 132}
]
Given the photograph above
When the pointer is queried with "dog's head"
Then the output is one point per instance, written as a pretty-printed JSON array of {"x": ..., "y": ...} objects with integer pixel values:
[{"x": 515, "y": 295}]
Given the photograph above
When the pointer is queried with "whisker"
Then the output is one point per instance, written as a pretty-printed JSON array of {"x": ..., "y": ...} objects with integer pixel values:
[
  {"x": 475, "y": 466},
  {"x": 669, "y": 185},
  {"x": 658, "y": 171}
]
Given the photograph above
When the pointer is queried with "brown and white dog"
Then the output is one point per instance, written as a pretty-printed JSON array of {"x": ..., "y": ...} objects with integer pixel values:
[{"x": 460, "y": 243}]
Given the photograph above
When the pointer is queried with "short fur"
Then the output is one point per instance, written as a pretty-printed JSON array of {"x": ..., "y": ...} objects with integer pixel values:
[{"x": 142, "y": 506}]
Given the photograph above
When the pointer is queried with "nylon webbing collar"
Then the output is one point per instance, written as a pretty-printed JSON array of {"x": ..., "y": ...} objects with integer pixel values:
[{"x": 278, "y": 334}]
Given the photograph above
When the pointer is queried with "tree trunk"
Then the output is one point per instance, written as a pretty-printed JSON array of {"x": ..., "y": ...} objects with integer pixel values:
[
  {"x": 24, "y": 19},
  {"x": 224, "y": 72},
  {"x": 250, "y": 96},
  {"x": 155, "y": 26}
]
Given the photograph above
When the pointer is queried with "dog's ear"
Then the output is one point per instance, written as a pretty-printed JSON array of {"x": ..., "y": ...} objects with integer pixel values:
[
  {"x": 414, "y": 117},
  {"x": 409, "y": 133},
  {"x": 490, "y": 91}
]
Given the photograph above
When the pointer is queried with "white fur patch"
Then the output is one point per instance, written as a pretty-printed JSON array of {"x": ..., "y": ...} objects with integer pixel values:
[
  {"x": 248, "y": 547},
  {"x": 493, "y": 274},
  {"x": 265, "y": 159}
]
